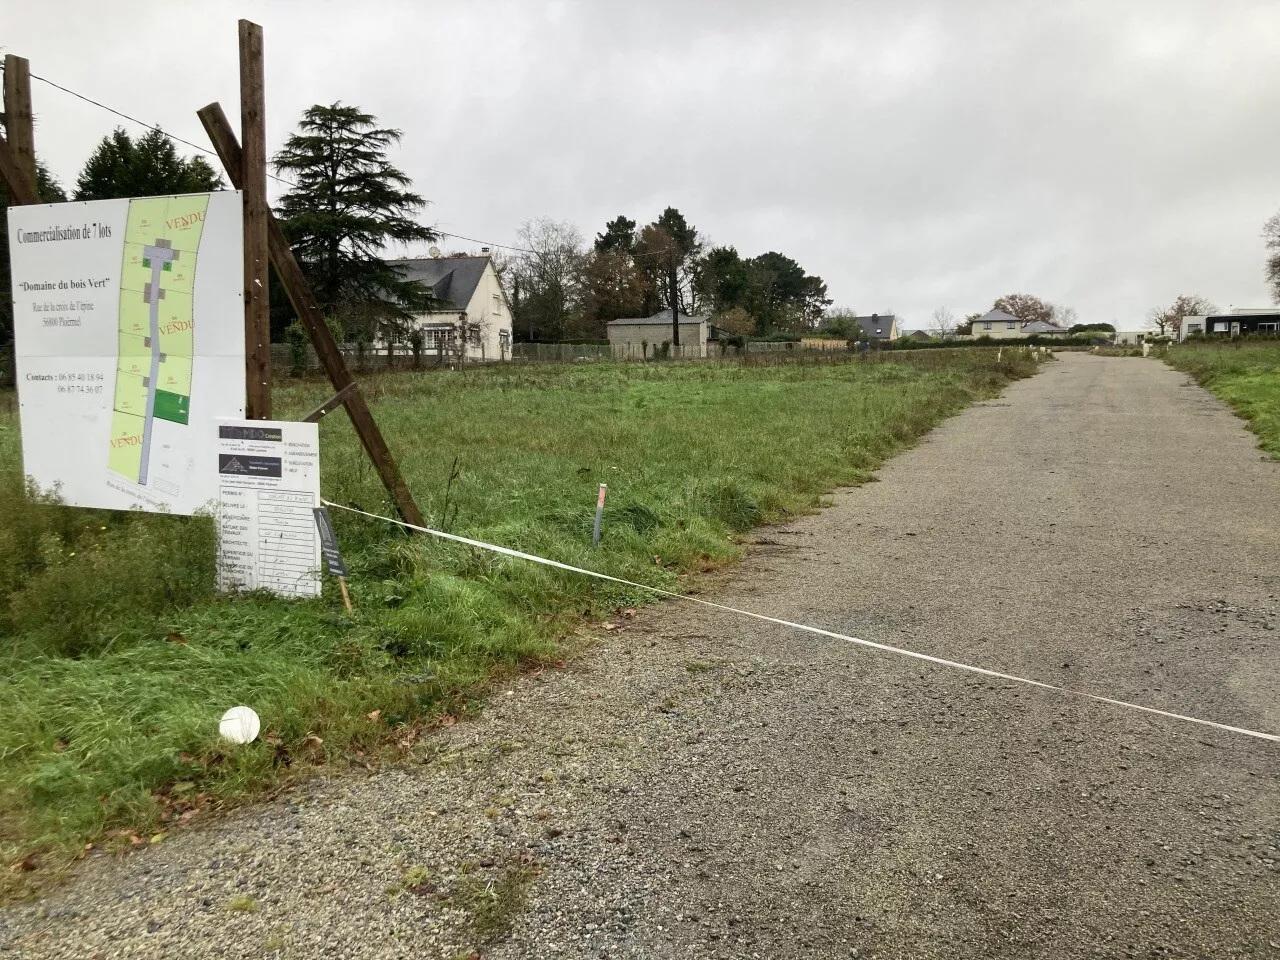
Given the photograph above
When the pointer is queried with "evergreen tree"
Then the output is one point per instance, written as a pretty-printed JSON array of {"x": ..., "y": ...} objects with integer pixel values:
[
  {"x": 666, "y": 253},
  {"x": 619, "y": 236},
  {"x": 147, "y": 167},
  {"x": 349, "y": 204}
]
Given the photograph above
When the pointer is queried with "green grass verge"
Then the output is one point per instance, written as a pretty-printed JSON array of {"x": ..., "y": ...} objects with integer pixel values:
[
  {"x": 119, "y": 657},
  {"x": 1244, "y": 373}
]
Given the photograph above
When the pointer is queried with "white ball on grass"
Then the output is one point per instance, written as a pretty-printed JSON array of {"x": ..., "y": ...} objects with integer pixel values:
[{"x": 240, "y": 725}]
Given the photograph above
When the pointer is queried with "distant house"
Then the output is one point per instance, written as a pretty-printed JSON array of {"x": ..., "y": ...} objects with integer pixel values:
[
  {"x": 878, "y": 328},
  {"x": 472, "y": 317},
  {"x": 918, "y": 335},
  {"x": 1232, "y": 324},
  {"x": 642, "y": 337},
  {"x": 999, "y": 325}
]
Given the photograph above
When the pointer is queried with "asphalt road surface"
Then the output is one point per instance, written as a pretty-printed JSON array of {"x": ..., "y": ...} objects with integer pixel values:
[{"x": 701, "y": 785}]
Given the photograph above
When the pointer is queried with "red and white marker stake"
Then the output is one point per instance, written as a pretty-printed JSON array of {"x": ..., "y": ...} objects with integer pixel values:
[{"x": 595, "y": 536}]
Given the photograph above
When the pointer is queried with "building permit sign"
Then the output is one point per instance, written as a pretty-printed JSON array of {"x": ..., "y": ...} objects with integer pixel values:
[{"x": 268, "y": 476}]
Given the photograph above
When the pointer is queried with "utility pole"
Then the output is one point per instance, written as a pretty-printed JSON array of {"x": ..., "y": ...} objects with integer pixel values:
[
  {"x": 674, "y": 291},
  {"x": 253, "y": 182}
]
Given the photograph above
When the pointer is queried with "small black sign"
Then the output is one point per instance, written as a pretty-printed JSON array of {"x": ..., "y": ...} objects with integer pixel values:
[
  {"x": 246, "y": 466},
  {"x": 329, "y": 543},
  {"x": 267, "y": 434}
]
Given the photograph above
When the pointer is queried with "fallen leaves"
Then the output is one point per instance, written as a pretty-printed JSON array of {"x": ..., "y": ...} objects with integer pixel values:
[
  {"x": 175, "y": 637},
  {"x": 26, "y": 864}
]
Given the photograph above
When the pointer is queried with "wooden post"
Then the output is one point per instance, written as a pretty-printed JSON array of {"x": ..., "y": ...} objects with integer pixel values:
[
  {"x": 21, "y": 191},
  {"x": 333, "y": 403},
  {"x": 304, "y": 305},
  {"x": 18, "y": 120},
  {"x": 673, "y": 290},
  {"x": 253, "y": 179}
]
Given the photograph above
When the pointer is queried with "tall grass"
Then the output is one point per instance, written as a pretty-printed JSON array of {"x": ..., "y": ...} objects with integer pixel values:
[
  {"x": 119, "y": 656},
  {"x": 1243, "y": 372}
]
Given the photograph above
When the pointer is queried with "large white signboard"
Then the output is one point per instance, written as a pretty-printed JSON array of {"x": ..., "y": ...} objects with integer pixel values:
[
  {"x": 129, "y": 341},
  {"x": 268, "y": 489}
]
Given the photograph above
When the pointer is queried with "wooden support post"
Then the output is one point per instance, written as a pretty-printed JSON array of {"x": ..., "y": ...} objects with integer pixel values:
[
  {"x": 304, "y": 305},
  {"x": 17, "y": 147},
  {"x": 18, "y": 118},
  {"x": 21, "y": 191},
  {"x": 337, "y": 400},
  {"x": 253, "y": 181}
]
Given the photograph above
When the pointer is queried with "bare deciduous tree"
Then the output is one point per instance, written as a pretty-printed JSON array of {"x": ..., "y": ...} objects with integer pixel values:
[
  {"x": 943, "y": 323},
  {"x": 1271, "y": 233},
  {"x": 1168, "y": 320},
  {"x": 548, "y": 275},
  {"x": 1025, "y": 307},
  {"x": 1065, "y": 316}
]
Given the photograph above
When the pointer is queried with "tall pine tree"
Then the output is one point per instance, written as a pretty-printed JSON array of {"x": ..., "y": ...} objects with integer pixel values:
[{"x": 350, "y": 203}]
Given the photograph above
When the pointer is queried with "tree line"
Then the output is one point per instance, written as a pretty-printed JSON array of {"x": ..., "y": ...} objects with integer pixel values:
[
  {"x": 561, "y": 287},
  {"x": 347, "y": 205}
]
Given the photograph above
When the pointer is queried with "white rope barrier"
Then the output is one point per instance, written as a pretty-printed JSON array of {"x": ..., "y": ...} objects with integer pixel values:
[{"x": 883, "y": 647}]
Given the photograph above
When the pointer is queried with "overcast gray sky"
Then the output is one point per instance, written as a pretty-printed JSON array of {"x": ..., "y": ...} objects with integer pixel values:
[{"x": 1106, "y": 155}]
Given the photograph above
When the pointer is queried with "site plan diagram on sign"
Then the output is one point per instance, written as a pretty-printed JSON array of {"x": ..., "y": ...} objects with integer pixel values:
[
  {"x": 129, "y": 335},
  {"x": 157, "y": 339}
]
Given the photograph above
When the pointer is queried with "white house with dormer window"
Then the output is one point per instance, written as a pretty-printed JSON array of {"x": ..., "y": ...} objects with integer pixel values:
[{"x": 472, "y": 307}]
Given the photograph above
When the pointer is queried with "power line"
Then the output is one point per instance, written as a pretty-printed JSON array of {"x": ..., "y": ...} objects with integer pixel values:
[
  {"x": 486, "y": 243},
  {"x": 143, "y": 123},
  {"x": 206, "y": 150},
  {"x": 290, "y": 183}
]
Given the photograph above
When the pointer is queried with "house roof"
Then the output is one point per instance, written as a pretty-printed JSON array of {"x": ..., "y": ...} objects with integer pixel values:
[
  {"x": 878, "y": 327},
  {"x": 1043, "y": 326},
  {"x": 451, "y": 279},
  {"x": 998, "y": 316},
  {"x": 1252, "y": 317},
  {"x": 662, "y": 316}
]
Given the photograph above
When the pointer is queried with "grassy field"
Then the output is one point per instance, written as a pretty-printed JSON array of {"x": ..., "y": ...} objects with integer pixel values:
[
  {"x": 1244, "y": 373},
  {"x": 119, "y": 657}
]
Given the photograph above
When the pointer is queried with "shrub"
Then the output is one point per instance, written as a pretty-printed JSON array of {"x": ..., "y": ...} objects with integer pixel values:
[
  {"x": 85, "y": 588},
  {"x": 298, "y": 340}
]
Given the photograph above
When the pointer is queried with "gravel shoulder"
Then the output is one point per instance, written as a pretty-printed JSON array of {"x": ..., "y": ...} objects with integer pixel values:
[{"x": 698, "y": 785}]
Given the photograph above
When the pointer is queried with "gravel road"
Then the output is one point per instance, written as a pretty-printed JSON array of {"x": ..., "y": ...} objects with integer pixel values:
[{"x": 699, "y": 785}]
